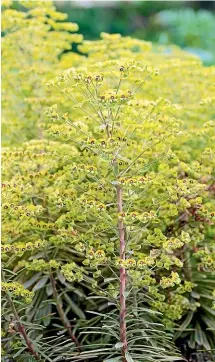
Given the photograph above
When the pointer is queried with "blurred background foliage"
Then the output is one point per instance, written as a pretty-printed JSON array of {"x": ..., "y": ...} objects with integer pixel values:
[{"x": 188, "y": 24}]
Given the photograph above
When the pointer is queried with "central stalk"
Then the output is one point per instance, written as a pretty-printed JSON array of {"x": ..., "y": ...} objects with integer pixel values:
[{"x": 121, "y": 228}]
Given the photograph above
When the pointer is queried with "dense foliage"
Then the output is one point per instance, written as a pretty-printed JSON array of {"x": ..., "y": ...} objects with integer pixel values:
[
  {"x": 107, "y": 195},
  {"x": 31, "y": 45}
]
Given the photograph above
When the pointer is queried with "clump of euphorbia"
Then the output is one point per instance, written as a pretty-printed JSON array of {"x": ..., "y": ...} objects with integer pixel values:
[
  {"x": 32, "y": 42},
  {"x": 119, "y": 203}
]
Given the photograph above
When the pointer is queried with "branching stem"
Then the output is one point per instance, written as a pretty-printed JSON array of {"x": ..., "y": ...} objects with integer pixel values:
[{"x": 61, "y": 313}]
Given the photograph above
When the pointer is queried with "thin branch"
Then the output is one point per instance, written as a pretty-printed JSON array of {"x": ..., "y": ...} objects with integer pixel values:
[
  {"x": 61, "y": 313},
  {"x": 88, "y": 114},
  {"x": 146, "y": 149},
  {"x": 21, "y": 328},
  {"x": 142, "y": 82},
  {"x": 120, "y": 81}
]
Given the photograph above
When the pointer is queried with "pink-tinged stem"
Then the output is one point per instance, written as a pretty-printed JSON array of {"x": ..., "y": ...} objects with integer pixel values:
[{"x": 121, "y": 228}]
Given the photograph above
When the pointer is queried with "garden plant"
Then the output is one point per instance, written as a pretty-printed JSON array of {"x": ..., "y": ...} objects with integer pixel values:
[{"x": 107, "y": 195}]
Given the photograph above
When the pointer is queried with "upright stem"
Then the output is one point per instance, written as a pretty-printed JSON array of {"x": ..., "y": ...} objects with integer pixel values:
[
  {"x": 121, "y": 229},
  {"x": 61, "y": 313},
  {"x": 21, "y": 328}
]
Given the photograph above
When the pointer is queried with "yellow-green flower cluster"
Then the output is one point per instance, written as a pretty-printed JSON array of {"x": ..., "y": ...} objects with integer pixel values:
[
  {"x": 72, "y": 272},
  {"x": 19, "y": 249},
  {"x": 17, "y": 291},
  {"x": 171, "y": 281},
  {"x": 174, "y": 309},
  {"x": 39, "y": 265},
  {"x": 186, "y": 287}
]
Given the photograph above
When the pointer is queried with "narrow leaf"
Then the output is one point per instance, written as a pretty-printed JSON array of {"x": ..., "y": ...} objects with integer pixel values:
[
  {"x": 75, "y": 308},
  {"x": 40, "y": 284},
  {"x": 114, "y": 359},
  {"x": 119, "y": 345},
  {"x": 128, "y": 357}
]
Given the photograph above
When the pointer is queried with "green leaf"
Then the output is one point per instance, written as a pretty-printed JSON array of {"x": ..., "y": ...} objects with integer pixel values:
[
  {"x": 119, "y": 345},
  {"x": 19, "y": 352},
  {"x": 205, "y": 342},
  {"x": 185, "y": 324},
  {"x": 192, "y": 341},
  {"x": 107, "y": 280},
  {"x": 40, "y": 284},
  {"x": 44, "y": 314},
  {"x": 114, "y": 359},
  {"x": 75, "y": 308},
  {"x": 198, "y": 335},
  {"x": 61, "y": 278},
  {"x": 128, "y": 357},
  {"x": 195, "y": 294},
  {"x": 209, "y": 321},
  {"x": 208, "y": 309},
  {"x": 208, "y": 296},
  {"x": 77, "y": 291},
  {"x": 32, "y": 280},
  {"x": 49, "y": 290}
]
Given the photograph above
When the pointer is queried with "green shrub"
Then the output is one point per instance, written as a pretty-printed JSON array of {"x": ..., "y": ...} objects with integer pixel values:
[
  {"x": 133, "y": 158},
  {"x": 192, "y": 30}
]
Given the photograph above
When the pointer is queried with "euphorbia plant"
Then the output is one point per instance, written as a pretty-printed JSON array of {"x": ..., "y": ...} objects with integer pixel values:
[
  {"x": 118, "y": 172},
  {"x": 95, "y": 197},
  {"x": 101, "y": 209},
  {"x": 33, "y": 39},
  {"x": 180, "y": 73}
]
